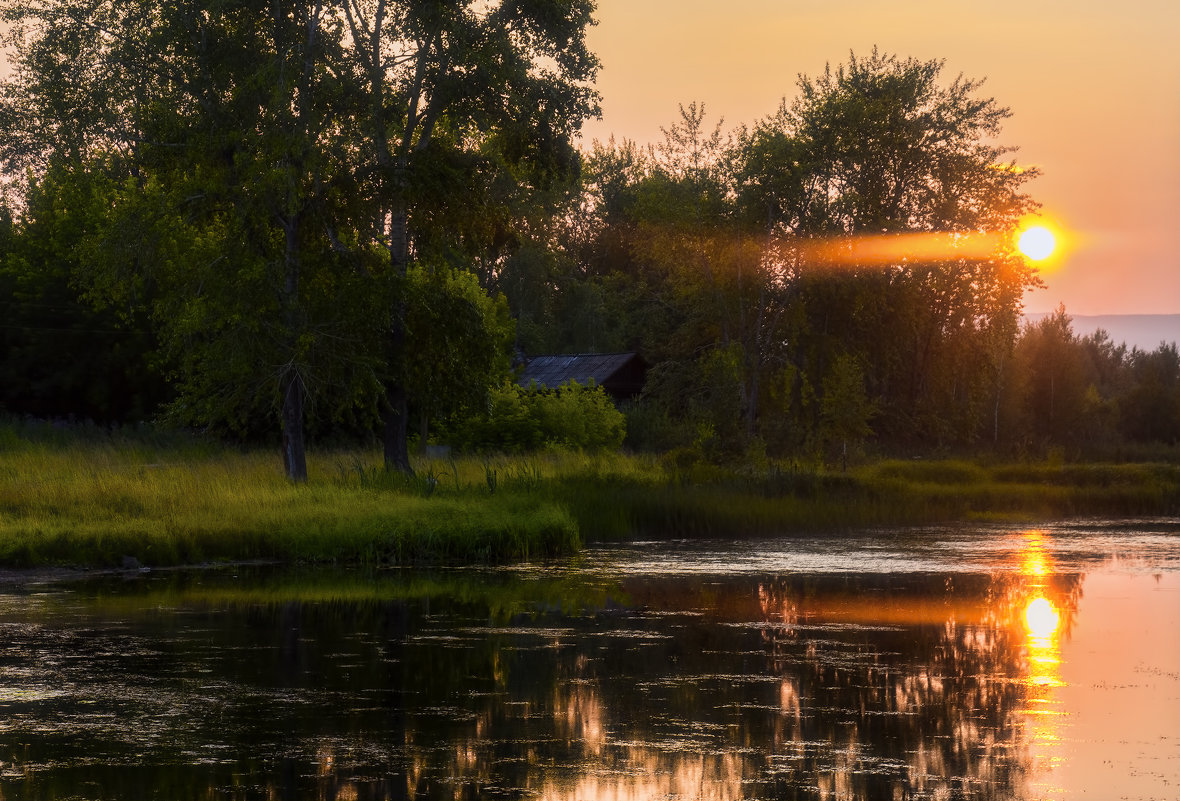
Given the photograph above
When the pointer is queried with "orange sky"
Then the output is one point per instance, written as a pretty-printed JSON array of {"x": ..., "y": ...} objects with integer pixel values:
[{"x": 1094, "y": 87}]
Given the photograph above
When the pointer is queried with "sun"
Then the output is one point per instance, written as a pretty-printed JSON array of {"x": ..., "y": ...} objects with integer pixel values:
[{"x": 1037, "y": 243}]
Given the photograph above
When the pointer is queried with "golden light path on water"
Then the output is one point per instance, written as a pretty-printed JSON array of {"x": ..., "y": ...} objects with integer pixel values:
[
  {"x": 1106, "y": 686},
  {"x": 1042, "y": 624},
  {"x": 1042, "y": 619},
  {"x": 962, "y": 663}
]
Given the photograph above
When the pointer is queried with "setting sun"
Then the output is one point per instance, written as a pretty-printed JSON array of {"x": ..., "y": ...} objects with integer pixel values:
[{"x": 1037, "y": 243}]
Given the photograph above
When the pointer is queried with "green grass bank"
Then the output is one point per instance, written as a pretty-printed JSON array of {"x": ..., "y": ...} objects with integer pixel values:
[{"x": 92, "y": 498}]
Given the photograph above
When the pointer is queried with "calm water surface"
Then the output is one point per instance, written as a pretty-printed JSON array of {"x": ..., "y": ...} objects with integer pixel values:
[{"x": 990, "y": 663}]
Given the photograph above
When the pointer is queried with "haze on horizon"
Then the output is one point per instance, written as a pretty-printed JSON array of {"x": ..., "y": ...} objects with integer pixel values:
[{"x": 1094, "y": 90}]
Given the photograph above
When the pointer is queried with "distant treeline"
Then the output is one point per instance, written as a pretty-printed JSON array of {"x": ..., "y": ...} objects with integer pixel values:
[{"x": 217, "y": 255}]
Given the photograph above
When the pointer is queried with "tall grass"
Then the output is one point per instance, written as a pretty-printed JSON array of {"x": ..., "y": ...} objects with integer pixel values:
[
  {"x": 102, "y": 499},
  {"x": 714, "y": 502},
  {"x": 107, "y": 502}
]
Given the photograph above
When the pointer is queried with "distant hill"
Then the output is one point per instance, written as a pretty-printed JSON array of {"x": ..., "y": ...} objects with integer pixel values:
[{"x": 1143, "y": 331}]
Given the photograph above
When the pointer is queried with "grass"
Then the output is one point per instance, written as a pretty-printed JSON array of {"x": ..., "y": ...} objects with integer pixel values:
[
  {"x": 95, "y": 503},
  {"x": 97, "y": 499}
]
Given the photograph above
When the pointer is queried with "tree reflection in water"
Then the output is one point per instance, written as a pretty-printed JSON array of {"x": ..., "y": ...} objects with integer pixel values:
[
  {"x": 856, "y": 686},
  {"x": 806, "y": 685},
  {"x": 943, "y": 693}
]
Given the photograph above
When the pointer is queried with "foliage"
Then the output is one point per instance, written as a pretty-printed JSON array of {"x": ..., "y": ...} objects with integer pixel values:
[
  {"x": 460, "y": 338},
  {"x": 708, "y": 247},
  {"x": 846, "y": 410},
  {"x": 60, "y": 356},
  {"x": 261, "y": 166},
  {"x": 254, "y": 212},
  {"x": 468, "y": 107},
  {"x": 880, "y": 146},
  {"x": 1088, "y": 395},
  {"x": 527, "y": 418}
]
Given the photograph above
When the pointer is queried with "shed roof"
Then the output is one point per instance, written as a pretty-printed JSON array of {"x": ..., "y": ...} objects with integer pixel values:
[{"x": 553, "y": 371}]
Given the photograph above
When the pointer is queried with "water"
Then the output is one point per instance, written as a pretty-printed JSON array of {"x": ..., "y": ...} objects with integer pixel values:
[{"x": 961, "y": 664}]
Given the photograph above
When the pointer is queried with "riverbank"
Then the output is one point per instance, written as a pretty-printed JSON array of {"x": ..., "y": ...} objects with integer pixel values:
[{"x": 129, "y": 500}]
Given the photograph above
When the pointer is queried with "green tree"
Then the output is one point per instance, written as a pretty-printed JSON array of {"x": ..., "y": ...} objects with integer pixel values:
[
  {"x": 1108, "y": 378},
  {"x": 461, "y": 338},
  {"x": 881, "y": 146},
  {"x": 224, "y": 143},
  {"x": 845, "y": 409},
  {"x": 60, "y": 355},
  {"x": 1054, "y": 381},
  {"x": 690, "y": 279},
  {"x": 459, "y": 86},
  {"x": 1150, "y": 410},
  {"x": 276, "y": 167},
  {"x": 742, "y": 252}
]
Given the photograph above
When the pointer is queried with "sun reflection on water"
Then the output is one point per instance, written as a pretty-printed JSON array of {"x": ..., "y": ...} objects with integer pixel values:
[
  {"x": 1042, "y": 621},
  {"x": 1041, "y": 618}
]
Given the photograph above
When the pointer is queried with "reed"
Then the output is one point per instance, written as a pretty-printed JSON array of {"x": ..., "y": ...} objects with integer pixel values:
[
  {"x": 106, "y": 502},
  {"x": 101, "y": 499}
]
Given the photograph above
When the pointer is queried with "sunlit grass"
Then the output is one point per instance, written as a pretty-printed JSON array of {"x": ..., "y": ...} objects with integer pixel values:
[
  {"x": 96, "y": 503},
  {"x": 97, "y": 499}
]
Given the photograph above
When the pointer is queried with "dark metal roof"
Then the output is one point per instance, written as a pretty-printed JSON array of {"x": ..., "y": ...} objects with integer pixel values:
[{"x": 553, "y": 371}]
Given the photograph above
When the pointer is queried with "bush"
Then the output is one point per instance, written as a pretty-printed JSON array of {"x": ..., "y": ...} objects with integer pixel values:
[
  {"x": 651, "y": 429},
  {"x": 523, "y": 419}
]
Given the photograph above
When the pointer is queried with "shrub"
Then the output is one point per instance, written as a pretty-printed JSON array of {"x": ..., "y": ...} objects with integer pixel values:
[{"x": 521, "y": 419}]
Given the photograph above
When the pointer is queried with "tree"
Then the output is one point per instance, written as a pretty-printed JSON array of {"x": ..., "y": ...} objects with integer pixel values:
[
  {"x": 60, "y": 355},
  {"x": 1151, "y": 407},
  {"x": 689, "y": 279},
  {"x": 461, "y": 338},
  {"x": 845, "y": 410},
  {"x": 222, "y": 139},
  {"x": 879, "y": 146},
  {"x": 274, "y": 168},
  {"x": 454, "y": 85},
  {"x": 752, "y": 253},
  {"x": 1054, "y": 379}
]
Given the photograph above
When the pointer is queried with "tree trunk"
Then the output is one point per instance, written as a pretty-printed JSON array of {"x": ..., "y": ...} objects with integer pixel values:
[
  {"x": 396, "y": 439},
  {"x": 291, "y": 382},
  {"x": 294, "y": 450},
  {"x": 423, "y": 431}
]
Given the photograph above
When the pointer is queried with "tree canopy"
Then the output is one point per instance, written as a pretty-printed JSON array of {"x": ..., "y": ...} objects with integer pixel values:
[
  {"x": 356, "y": 214},
  {"x": 734, "y": 256},
  {"x": 270, "y": 169}
]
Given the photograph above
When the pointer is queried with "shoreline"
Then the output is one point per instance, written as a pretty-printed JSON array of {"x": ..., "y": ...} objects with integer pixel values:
[
  {"x": 119, "y": 503},
  {"x": 17, "y": 578}
]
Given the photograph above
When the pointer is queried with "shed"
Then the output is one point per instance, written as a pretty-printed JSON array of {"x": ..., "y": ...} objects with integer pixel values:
[{"x": 620, "y": 374}]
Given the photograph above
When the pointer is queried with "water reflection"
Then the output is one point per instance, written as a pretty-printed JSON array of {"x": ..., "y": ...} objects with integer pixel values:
[
  {"x": 569, "y": 682},
  {"x": 1043, "y": 626},
  {"x": 1042, "y": 618}
]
